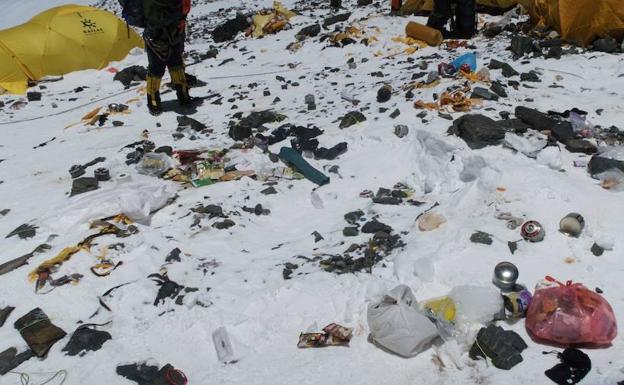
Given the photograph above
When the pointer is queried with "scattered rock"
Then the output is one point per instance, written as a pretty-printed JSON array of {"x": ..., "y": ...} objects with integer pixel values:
[
  {"x": 174, "y": 255},
  {"x": 286, "y": 273},
  {"x": 477, "y": 130},
  {"x": 9, "y": 359},
  {"x": 350, "y": 231},
  {"x": 228, "y": 30},
  {"x": 83, "y": 185},
  {"x": 352, "y": 118},
  {"x": 521, "y": 45},
  {"x": 481, "y": 237},
  {"x": 185, "y": 121},
  {"x": 608, "y": 45},
  {"x": 243, "y": 129},
  {"x": 33, "y": 96},
  {"x": 530, "y": 76},
  {"x": 374, "y": 226},
  {"x": 599, "y": 164},
  {"x": 554, "y": 53},
  {"x": 131, "y": 74},
  {"x": 384, "y": 94},
  {"x": 581, "y": 145},
  {"x": 317, "y": 237},
  {"x": 309, "y": 31},
  {"x": 482, "y": 93},
  {"x": 4, "y": 314},
  {"x": 364, "y": 3},
  {"x": 508, "y": 70},
  {"x": 336, "y": 19},
  {"x": 24, "y": 231},
  {"x": 226, "y": 224},
  {"x": 353, "y": 217},
  {"x": 387, "y": 200},
  {"x": 498, "y": 89},
  {"x": 562, "y": 131},
  {"x": 597, "y": 250},
  {"x": 269, "y": 191},
  {"x": 395, "y": 114}
]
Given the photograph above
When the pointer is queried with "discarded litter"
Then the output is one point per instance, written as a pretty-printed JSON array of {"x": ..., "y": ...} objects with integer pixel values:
[
  {"x": 532, "y": 231},
  {"x": 38, "y": 332},
  {"x": 572, "y": 225},
  {"x": 332, "y": 335}
]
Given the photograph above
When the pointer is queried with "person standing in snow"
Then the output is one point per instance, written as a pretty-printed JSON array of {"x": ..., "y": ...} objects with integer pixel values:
[
  {"x": 465, "y": 18},
  {"x": 164, "y": 34}
]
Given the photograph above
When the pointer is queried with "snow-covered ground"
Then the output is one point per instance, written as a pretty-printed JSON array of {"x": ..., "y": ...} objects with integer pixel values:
[{"x": 238, "y": 271}]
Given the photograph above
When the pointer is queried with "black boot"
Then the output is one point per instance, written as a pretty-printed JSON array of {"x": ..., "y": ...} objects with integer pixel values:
[
  {"x": 440, "y": 16},
  {"x": 466, "y": 19}
]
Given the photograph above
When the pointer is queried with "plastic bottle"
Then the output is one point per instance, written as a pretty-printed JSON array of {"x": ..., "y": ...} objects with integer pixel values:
[{"x": 421, "y": 32}]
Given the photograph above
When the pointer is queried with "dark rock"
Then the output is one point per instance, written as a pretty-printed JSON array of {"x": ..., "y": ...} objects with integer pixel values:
[
  {"x": 562, "y": 131},
  {"x": 554, "y": 53},
  {"x": 86, "y": 339},
  {"x": 165, "y": 150},
  {"x": 353, "y": 217},
  {"x": 597, "y": 250},
  {"x": 228, "y": 30},
  {"x": 481, "y": 237},
  {"x": 140, "y": 373},
  {"x": 331, "y": 153},
  {"x": 384, "y": 94},
  {"x": 608, "y": 45},
  {"x": 373, "y": 227},
  {"x": 387, "y": 200},
  {"x": 482, "y": 93},
  {"x": 117, "y": 123},
  {"x": 286, "y": 273},
  {"x": 513, "y": 246},
  {"x": 83, "y": 185},
  {"x": 174, "y": 256},
  {"x": 131, "y": 74},
  {"x": 309, "y": 31},
  {"x": 350, "y": 231},
  {"x": 317, "y": 236},
  {"x": 598, "y": 164},
  {"x": 508, "y": 70},
  {"x": 243, "y": 129},
  {"x": 226, "y": 224},
  {"x": 363, "y": 3},
  {"x": 477, "y": 130},
  {"x": 383, "y": 192},
  {"x": 395, "y": 114},
  {"x": 185, "y": 121},
  {"x": 33, "y": 96},
  {"x": 498, "y": 89},
  {"x": 212, "y": 210},
  {"x": 269, "y": 191},
  {"x": 581, "y": 145},
  {"x": 9, "y": 359},
  {"x": 351, "y": 118},
  {"x": 530, "y": 76},
  {"x": 336, "y": 19},
  {"x": 521, "y": 45},
  {"x": 4, "y": 314},
  {"x": 516, "y": 126},
  {"x": 24, "y": 231}
]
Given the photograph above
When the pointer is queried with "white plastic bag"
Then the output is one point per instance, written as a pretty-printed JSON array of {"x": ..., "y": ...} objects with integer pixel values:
[{"x": 397, "y": 325}]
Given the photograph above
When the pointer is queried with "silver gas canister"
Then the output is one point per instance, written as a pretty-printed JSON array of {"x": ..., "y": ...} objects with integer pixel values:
[
  {"x": 572, "y": 224},
  {"x": 505, "y": 276},
  {"x": 532, "y": 231}
]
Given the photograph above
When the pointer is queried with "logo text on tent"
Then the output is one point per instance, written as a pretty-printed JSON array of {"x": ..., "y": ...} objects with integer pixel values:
[{"x": 89, "y": 27}]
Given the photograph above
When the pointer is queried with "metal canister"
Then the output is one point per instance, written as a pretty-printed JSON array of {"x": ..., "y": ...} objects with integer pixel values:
[
  {"x": 572, "y": 224},
  {"x": 401, "y": 130},
  {"x": 517, "y": 302},
  {"x": 101, "y": 174},
  {"x": 505, "y": 276},
  {"x": 532, "y": 231}
]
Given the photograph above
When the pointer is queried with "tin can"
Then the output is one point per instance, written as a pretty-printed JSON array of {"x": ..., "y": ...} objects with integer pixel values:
[
  {"x": 505, "y": 276},
  {"x": 532, "y": 231},
  {"x": 517, "y": 302},
  {"x": 572, "y": 225}
]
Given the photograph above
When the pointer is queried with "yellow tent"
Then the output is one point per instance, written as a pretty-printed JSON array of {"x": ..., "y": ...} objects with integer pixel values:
[
  {"x": 411, "y": 6},
  {"x": 61, "y": 40},
  {"x": 580, "y": 20}
]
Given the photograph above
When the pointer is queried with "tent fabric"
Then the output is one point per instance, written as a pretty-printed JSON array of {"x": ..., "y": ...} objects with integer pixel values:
[
  {"x": 579, "y": 20},
  {"x": 62, "y": 40},
  {"x": 412, "y": 6}
]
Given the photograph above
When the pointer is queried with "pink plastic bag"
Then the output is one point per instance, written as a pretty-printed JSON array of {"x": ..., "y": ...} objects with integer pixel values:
[{"x": 570, "y": 314}]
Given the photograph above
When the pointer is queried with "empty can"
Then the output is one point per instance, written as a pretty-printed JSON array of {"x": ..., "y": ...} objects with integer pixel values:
[
  {"x": 505, "y": 276},
  {"x": 572, "y": 224},
  {"x": 532, "y": 231}
]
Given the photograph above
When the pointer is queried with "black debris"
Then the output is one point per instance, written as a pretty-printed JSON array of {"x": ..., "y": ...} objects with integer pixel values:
[
  {"x": 481, "y": 237},
  {"x": 477, "y": 130},
  {"x": 86, "y": 339},
  {"x": 174, "y": 255},
  {"x": 24, "y": 231}
]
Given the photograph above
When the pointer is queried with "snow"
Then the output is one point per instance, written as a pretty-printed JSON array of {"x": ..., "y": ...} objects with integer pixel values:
[{"x": 239, "y": 271}]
